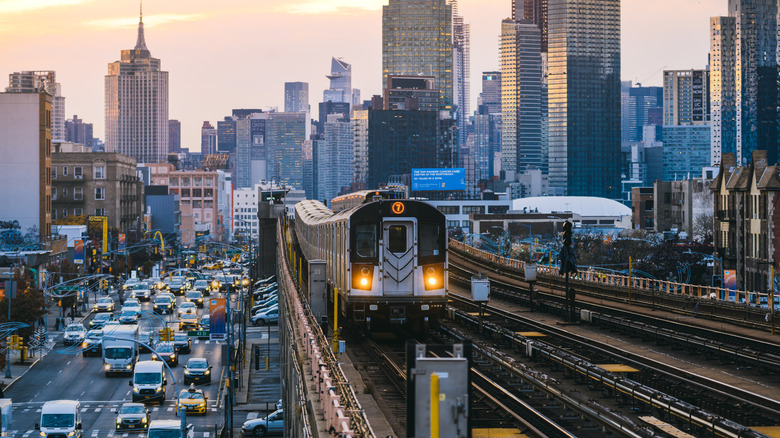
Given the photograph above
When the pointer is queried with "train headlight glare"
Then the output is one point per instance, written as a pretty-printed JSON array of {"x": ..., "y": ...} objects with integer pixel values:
[
  {"x": 432, "y": 281},
  {"x": 363, "y": 277},
  {"x": 433, "y": 276}
]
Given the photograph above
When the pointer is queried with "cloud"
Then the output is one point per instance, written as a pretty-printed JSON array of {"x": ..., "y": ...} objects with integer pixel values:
[
  {"x": 330, "y": 6},
  {"x": 17, "y": 6},
  {"x": 149, "y": 20}
]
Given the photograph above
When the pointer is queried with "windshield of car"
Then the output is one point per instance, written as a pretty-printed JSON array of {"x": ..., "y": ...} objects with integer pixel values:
[
  {"x": 193, "y": 295},
  {"x": 73, "y": 328},
  {"x": 165, "y": 348},
  {"x": 139, "y": 286},
  {"x": 162, "y": 300},
  {"x": 180, "y": 338},
  {"x": 57, "y": 420},
  {"x": 96, "y": 334},
  {"x": 157, "y": 433},
  {"x": 186, "y": 305},
  {"x": 201, "y": 283},
  {"x": 131, "y": 409},
  {"x": 118, "y": 353},
  {"x": 101, "y": 317},
  {"x": 105, "y": 300},
  {"x": 197, "y": 364},
  {"x": 128, "y": 312},
  {"x": 147, "y": 378},
  {"x": 192, "y": 395}
]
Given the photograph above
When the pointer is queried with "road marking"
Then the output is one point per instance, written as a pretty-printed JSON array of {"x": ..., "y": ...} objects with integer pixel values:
[
  {"x": 82, "y": 394},
  {"x": 48, "y": 383},
  {"x": 98, "y": 409}
]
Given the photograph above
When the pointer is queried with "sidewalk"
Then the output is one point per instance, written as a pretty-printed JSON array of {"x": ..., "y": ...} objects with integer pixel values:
[{"x": 260, "y": 389}]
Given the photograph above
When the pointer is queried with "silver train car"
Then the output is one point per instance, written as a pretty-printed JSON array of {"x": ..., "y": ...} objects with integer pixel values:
[{"x": 387, "y": 259}]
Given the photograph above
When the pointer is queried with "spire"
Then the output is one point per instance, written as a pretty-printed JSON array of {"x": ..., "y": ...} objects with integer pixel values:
[{"x": 140, "y": 44}]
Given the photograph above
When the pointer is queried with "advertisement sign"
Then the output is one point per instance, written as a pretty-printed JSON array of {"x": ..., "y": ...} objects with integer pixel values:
[
  {"x": 97, "y": 230},
  {"x": 217, "y": 318},
  {"x": 78, "y": 252},
  {"x": 438, "y": 179},
  {"x": 730, "y": 282},
  {"x": 121, "y": 242}
]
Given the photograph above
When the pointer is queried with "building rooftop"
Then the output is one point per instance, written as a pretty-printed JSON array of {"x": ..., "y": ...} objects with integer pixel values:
[{"x": 582, "y": 205}]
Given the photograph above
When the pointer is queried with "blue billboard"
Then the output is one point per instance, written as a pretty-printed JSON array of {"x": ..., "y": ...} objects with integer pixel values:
[{"x": 438, "y": 179}]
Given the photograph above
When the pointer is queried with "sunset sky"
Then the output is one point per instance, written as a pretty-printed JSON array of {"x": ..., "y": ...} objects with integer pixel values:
[{"x": 238, "y": 53}]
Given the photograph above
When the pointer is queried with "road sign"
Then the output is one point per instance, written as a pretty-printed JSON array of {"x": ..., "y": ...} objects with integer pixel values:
[{"x": 198, "y": 333}]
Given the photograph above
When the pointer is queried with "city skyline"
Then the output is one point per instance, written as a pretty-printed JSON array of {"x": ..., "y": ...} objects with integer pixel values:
[{"x": 77, "y": 38}]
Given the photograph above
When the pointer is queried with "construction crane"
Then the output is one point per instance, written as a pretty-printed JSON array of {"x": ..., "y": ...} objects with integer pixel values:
[{"x": 639, "y": 84}]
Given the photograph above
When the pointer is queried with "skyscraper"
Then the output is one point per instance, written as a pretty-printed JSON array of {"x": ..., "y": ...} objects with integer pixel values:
[
  {"x": 491, "y": 91},
  {"x": 723, "y": 99},
  {"x": 533, "y": 11},
  {"x": 174, "y": 136},
  {"x": 521, "y": 104},
  {"x": 208, "y": 139},
  {"x": 640, "y": 102},
  {"x": 226, "y": 135},
  {"x": 285, "y": 134},
  {"x": 417, "y": 40},
  {"x": 296, "y": 97},
  {"x": 31, "y": 82},
  {"x": 136, "y": 104},
  {"x": 756, "y": 77},
  {"x": 584, "y": 97},
  {"x": 461, "y": 66},
  {"x": 340, "y": 83},
  {"x": 334, "y": 157},
  {"x": 686, "y": 97}
]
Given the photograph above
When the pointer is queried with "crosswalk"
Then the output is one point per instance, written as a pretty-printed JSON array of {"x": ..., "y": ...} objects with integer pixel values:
[
  {"x": 98, "y": 433},
  {"x": 98, "y": 406}
]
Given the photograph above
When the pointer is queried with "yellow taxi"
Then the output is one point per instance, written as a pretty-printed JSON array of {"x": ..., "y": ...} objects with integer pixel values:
[{"x": 193, "y": 400}]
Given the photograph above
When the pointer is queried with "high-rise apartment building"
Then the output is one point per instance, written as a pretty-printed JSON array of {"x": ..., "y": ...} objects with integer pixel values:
[
  {"x": 640, "y": 102},
  {"x": 686, "y": 98},
  {"x": 411, "y": 93},
  {"x": 360, "y": 147},
  {"x": 686, "y": 150},
  {"x": 756, "y": 77},
  {"x": 296, "y": 97},
  {"x": 584, "y": 97},
  {"x": 174, "y": 136},
  {"x": 208, "y": 139},
  {"x": 533, "y": 11},
  {"x": 226, "y": 135},
  {"x": 521, "y": 98},
  {"x": 284, "y": 136},
  {"x": 136, "y": 104},
  {"x": 723, "y": 92},
  {"x": 32, "y": 82},
  {"x": 417, "y": 40},
  {"x": 251, "y": 153},
  {"x": 491, "y": 91},
  {"x": 76, "y": 131},
  {"x": 340, "y": 76},
  {"x": 461, "y": 78},
  {"x": 25, "y": 155}
]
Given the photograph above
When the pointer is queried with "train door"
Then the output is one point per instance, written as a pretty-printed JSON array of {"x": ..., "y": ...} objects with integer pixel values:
[{"x": 399, "y": 256}]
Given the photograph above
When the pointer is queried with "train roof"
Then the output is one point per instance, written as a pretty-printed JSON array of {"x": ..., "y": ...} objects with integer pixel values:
[{"x": 312, "y": 212}]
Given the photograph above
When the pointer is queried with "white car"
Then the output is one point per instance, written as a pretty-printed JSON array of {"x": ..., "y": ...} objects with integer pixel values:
[
  {"x": 273, "y": 423},
  {"x": 74, "y": 334},
  {"x": 270, "y": 316}
]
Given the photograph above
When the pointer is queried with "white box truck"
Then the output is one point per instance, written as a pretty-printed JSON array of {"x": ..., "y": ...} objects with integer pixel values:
[{"x": 120, "y": 349}]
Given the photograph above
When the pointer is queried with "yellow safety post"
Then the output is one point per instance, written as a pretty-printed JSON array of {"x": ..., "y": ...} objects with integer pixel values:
[
  {"x": 434, "y": 405},
  {"x": 335, "y": 319},
  {"x": 267, "y": 363}
]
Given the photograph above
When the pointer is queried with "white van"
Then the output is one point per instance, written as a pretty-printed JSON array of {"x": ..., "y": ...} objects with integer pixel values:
[
  {"x": 169, "y": 429},
  {"x": 60, "y": 418},
  {"x": 149, "y": 381}
]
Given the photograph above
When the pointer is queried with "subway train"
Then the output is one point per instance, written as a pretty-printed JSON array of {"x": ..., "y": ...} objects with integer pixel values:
[{"x": 387, "y": 258}]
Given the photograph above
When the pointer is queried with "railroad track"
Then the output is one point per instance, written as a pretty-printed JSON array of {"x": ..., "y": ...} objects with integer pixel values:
[{"x": 562, "y": 350}]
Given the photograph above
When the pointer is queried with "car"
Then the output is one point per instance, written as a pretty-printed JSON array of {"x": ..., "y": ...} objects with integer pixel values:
[
  {"x": 128, "y": 316},
  {"x": 163, "y": 305},
  {"x": 132, "y": 303},
  {"x": 182, "y": 343},
  {"x": 279, "y": 404},
  {"x": 177, "y": 286},
  {"x": 141, "y": 292},
  {"x": 270, "y": 316},
  {"x": 74, "y": 334},
  {"x": 202, "y": 286},
  {"x": 193, "y": 400},
  {"x": 265, "y": 308},
  {"x": 197, "y": 370},
  {"x": 168, "y": 429},
  {"x": 194, "y": 296},
  {"x": 188, "y": 321},
  {"x": 99, "y": 320},
  {"x": 264, "y": 304},
  {"x": 92, "y": 345},
  {"x": 205, "y": 325},
  {"x": 104, "y": 304},
  {"x": 186, "y": 307},
  {"x": 215, "y": 285},
  {"x": 130, "y": 283},
  {"x": 273, "y": 423},
  {"x": 133, "y": 416},
  {"x": 167, "y": 352}
]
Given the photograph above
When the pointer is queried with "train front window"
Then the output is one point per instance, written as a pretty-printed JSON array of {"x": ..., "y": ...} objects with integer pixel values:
[
  {"x": 396, "y": 236},
  {"x": 365, "y": 241},
  {"x": 430, "y": 240}
]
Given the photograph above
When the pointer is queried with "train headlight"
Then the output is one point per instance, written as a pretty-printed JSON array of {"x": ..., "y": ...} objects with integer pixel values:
[
  {"x": 433, "y": 276},
  {"x": 362, "y": 277}
]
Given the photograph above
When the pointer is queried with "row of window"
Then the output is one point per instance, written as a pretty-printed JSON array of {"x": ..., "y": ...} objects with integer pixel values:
[
  {"x": 196, "y": 181},
  {"x": 76, "y": 212},
  {"x": 467, "y": 209},
  {"x": 78, "y": 193},
  {"x": 98, "y": 172}
]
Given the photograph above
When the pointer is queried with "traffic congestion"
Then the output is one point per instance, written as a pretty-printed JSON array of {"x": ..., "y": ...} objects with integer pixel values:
[{"x": 149, "y": 351}]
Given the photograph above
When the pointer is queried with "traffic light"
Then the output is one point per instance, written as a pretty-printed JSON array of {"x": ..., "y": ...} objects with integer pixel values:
[
  {"x": 567, "y": 233},
  {"x": 19, "y": 343},
  {"x": 9, "y": 342},
  {"x": 166, "y": 334}
]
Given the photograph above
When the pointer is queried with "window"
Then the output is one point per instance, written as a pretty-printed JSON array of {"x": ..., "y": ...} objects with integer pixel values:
[
  {"x": 197, "y": 181},
  {"x": 431, "y": 242},
  {"x": 208, "y": 181},
  {"x": 365, "y": 241},
  {"x": 449, "y": 209},
  {"x": 196, "y": 203},
  {"x": 100, "y": 212},
  {"x": 452, "y": 224},
  {"x": 473, "y": 209},
  {"x": 78, "y": 211},
  {"x": 100, "y": 172},
  {"x": 53, "y": 172},
  {"x": 64, "y": 213},
  {"x": 208, "y": 193},
  {"x": 78, "y": 172},
  {"x": 64, "y": 193},
  {"x": 396, "y": 236},
  {"x": 197, "y": 193},
  {"x": 54, "y": 214},
  {"x": 64, "y": 170},
  {"x": 208, "y": 203},
  {"x": 174, "y": 180},
  {"x": 185, "y": 180},
  {"x": 78, "y": 193},
  {"x": 54, "y": 193},
  {"x": 185, "y": 193},
  {"x": 100, "y": 194}
]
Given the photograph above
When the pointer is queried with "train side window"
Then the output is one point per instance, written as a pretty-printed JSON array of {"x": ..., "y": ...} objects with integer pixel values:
[
  {"x": 365, "y": 240},
  {"x": 397, "y": 239},
  {"x": 430, "y": 240}
]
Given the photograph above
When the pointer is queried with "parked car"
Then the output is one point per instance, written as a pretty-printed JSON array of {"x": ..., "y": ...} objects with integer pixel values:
[
  {"x": 271, "y": 316},
  {"x": 272, "y": 424}
]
